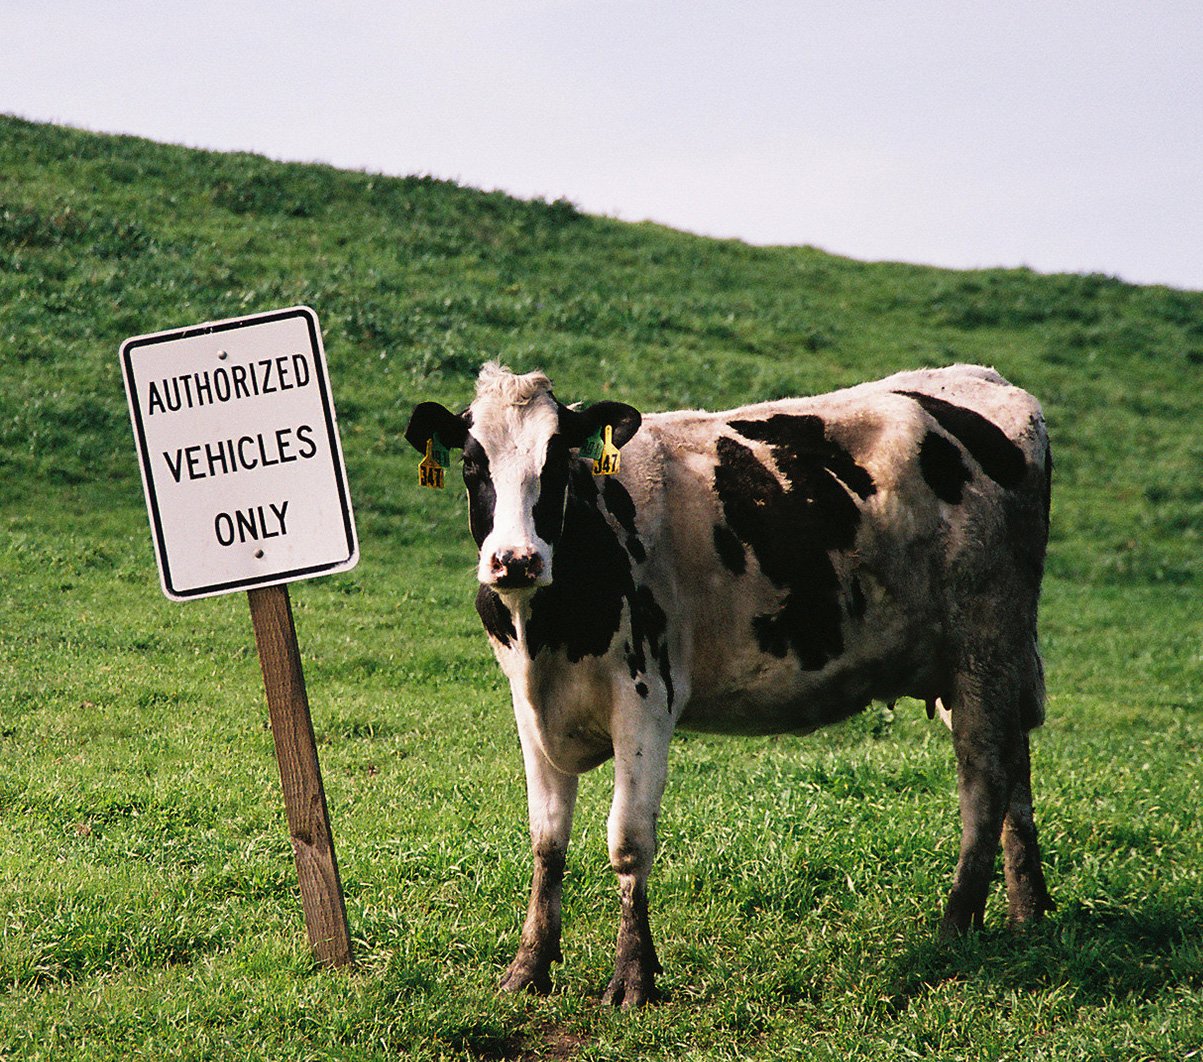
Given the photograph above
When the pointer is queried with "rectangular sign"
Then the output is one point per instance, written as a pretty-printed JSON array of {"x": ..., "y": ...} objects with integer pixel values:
[{"x": 240, "y": 455}]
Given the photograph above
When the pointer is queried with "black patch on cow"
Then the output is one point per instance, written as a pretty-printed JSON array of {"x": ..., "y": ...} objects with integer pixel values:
[
  {"x": 803, "y": 452},
  {"x": 730, "y": 550},
  {"x": 942, "y": 467},
  {"x": 482, "y": 496},
  {"x": 791, "y": 530},
  {"x": 581, "y": 611},
  {"x": 649, "y": 625},
  {"x": 495, "y": 615},
  {"x": 622, "y": 508},
  {"x": 857, "y": 605},
  {"x": 553, "y": 482},
  {"x": 641, "y": 689},
  {"x": 988, "y": 444}
]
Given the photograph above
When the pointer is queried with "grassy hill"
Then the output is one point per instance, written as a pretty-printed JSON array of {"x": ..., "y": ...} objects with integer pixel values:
[{"x": 148, "y": 895}]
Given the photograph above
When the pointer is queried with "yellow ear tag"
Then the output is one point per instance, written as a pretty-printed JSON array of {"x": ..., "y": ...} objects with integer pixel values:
[
  {"x": 606, "y": 457},
  {"x": 430, "y": 471}
]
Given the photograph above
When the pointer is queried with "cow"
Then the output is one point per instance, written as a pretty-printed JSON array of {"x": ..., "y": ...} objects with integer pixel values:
[{"x": 770, "y": 569}]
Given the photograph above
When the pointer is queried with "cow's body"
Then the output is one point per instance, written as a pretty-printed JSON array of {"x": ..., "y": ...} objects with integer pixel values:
[{"x": 764, "y": 570}]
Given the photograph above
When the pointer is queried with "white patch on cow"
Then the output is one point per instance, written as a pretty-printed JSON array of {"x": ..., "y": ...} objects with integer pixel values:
[
  {"x": 944, "y": 714},
  {"x": 514, "y": 418}
]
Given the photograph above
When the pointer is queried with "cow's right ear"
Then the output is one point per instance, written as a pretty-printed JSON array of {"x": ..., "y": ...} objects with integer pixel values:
[{"x": 430, "y": 419}]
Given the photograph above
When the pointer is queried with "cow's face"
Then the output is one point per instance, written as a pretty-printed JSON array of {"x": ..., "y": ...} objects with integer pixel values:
[{"x": 519, "y": 443}]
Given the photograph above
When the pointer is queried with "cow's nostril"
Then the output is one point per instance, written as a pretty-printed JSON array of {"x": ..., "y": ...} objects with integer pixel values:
[{"x": 511, "y": 568}]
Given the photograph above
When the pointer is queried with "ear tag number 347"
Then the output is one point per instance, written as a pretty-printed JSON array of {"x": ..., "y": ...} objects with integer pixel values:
[
  {"x": 431, "y": 470},
  {"x": 602, "y": 451}
]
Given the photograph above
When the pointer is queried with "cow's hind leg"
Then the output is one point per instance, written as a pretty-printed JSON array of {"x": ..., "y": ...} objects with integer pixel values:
[
  {"x": 551, "y": 798},
  {"x": 1027, "y": 895},
  {"x": 640, "y": 771},
  {"x": 987, "y": 738}
]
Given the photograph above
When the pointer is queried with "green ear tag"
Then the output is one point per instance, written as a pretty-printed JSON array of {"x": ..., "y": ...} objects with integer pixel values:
[
  {"x": 592, "y": 447},
  {"x": 607, "y": 462},
  {"x": 431, "y": 470}
]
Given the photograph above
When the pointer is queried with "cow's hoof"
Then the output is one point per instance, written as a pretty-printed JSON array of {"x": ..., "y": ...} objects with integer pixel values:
[
  {"x": 950, "y": 931},
  {"x": 1029, "y": 912},
  {"x": 528, "y": 973},
  {"x": 958, "y": 919},
  {"x": 631, "y": 987},
  {"x": 1027, "y": 904}
]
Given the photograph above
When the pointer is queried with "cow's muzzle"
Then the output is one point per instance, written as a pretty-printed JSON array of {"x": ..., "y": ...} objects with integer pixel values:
[{"x": 514, "y": 569}]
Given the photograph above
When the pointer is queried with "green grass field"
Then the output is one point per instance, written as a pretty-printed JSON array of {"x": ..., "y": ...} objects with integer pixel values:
[{"x": 148, "y": 899}]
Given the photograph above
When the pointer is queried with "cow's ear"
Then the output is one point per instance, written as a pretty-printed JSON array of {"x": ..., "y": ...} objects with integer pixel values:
[
  {"x": 578, "y": 424},
  {"x": 430, "y": 419}
]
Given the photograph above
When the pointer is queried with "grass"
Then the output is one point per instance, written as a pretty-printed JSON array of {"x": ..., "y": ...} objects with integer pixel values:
[{"x": 148, "y": 901}]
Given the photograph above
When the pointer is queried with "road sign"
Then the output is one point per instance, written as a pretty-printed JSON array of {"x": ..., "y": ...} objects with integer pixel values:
[
  {"x": 241, "y": 460},
  {"x": 246, "y": 490}
]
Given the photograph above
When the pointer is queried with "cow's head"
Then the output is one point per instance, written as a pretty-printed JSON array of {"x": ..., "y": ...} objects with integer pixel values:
[{"x": 519, "y": 444}]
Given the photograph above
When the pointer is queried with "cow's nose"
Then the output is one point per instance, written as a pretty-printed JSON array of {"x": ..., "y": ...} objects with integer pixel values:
[{"x": 513, "y": 568}]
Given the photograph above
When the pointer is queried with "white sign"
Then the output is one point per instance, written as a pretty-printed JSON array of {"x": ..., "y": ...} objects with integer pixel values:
[{"x": 240, "y": 455}]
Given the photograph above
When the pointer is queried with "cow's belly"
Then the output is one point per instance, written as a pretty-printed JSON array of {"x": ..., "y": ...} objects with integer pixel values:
[
  {"x": 739, "y": 688},
  {"x": 778, "y": 698}
]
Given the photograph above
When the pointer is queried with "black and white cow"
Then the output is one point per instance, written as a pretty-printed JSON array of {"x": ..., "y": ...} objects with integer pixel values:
[{"x": 766, "y": 570}]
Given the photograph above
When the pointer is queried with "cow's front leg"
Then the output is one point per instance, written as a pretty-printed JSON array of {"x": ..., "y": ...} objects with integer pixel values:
[
  {"x": 551, "y": 797},
  {"x": 640, "y": 770}
]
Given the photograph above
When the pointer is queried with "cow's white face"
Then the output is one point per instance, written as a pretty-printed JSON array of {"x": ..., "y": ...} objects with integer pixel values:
[
  {"x": 519, "y": 446},
  {"x": 516, "y": 472}
]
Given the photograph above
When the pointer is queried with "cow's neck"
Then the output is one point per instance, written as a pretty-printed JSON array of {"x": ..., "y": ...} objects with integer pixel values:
[{"x": 581, "y": 611}]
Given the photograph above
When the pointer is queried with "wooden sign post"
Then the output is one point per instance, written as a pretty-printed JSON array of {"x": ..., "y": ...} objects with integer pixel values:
[
  {"x": 246, "y": 490},
  {"x": 300, "y": 776}
]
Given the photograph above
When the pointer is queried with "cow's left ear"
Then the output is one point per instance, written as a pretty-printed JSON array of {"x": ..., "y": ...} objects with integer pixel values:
[
  {"x": 430, "y": 419},
  {"x": 578, "y": 424}
]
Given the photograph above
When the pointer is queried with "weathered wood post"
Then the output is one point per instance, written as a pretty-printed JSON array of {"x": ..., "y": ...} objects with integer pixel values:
[{"x": 300, "y": 775}]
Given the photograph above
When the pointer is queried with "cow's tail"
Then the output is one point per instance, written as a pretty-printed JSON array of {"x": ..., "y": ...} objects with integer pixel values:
[{"x": 1031, "y": 706}]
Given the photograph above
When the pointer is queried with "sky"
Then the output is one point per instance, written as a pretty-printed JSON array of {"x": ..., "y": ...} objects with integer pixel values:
[{"x": 1063, "y": 135}]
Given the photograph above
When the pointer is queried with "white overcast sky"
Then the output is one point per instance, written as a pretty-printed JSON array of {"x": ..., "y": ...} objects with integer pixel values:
[{"x": 1058, "y": 134}]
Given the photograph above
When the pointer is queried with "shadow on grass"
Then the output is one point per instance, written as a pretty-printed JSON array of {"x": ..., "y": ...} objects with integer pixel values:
[
  {"x": 1102, "y": 952},
  {"x": 547, "y": 1042}
]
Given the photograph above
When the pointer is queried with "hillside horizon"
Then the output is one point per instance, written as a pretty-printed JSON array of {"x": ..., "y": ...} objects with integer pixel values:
[{"x": 566, "y": 201}]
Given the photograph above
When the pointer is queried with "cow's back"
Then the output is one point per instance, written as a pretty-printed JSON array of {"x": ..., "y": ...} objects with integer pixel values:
[{"x": 814, "y": 554}]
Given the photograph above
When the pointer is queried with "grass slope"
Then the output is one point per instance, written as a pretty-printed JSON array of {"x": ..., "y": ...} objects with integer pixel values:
[{"x": 147, "y": 894}]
